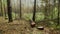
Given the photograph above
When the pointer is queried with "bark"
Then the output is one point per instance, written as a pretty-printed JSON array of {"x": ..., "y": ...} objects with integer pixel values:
[
  {"x": 1, "y": 9},
  {"x": 20, "y": 9},
  {"x": 58, "y": 11},
  {"x": 5, "y": 12},
  {"x": 34, "y": 12},
  {"x": 9, "y": 11}
]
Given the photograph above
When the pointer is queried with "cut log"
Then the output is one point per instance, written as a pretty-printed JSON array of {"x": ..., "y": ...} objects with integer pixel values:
[
  {"x": 32, "y": 23},
  {"x": 40, "y": 28}
]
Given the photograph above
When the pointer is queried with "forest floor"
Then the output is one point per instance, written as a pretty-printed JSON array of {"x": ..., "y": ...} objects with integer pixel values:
[{"x": 23, "y": 27}]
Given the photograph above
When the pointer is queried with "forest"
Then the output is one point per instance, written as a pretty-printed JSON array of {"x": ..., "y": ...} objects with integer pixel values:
[{"x": 29, "y": 17}]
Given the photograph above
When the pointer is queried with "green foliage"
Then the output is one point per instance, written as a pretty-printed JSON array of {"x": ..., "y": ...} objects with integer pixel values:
[
  {"x": 58, "y": 27},
  {"x": 13, "y": 15},
  {"x": 27, "y": 16},
  {"x": 53, "y": 14},
  {"x": 39, "y": 16}
]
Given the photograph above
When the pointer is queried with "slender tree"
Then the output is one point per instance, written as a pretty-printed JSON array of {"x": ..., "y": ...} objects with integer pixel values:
[
  {"x": 46, "y": 11},
  {"x": 9, "y": 11},
  {"x": 58, "y": 11},
  {"x": 20, "y": 9},
  {"x": 1, "y": 8},
  {"x": 5, "y": 9},
  {"x": 34, "y": 12},
  {"x": 15, "y": 9}
]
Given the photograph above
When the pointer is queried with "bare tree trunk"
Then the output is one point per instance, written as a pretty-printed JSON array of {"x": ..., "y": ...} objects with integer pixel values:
[
  {"x": 58, "y": 11},
  {"x": 5, "y": 11},
  {"x": 1, "y": 9},
  {"x": 34, "y": 12},
  {"x": 20, "y": 10},
  {"x": 46, "y": 11},
  {"x": 9, "y": 11}
]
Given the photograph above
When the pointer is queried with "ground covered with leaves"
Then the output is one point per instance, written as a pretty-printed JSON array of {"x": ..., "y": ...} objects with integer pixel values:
[{"x": 23, "y": 27}]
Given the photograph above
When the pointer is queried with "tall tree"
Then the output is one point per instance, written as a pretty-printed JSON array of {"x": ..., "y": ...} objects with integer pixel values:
[
  {"x": 46, "y": 7},
  {"x": 1, "y": 8},
  {"x": 58, "y": 11},
  {"x": 9, "y": 10},
  {"x": 34, "y": 12},
  {"x": 5, "y": 9},
  {"x": 20, "y": 9}
]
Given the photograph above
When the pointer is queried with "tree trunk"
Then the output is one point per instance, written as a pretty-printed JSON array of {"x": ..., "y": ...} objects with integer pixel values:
[
  {"x": 20, "y": 10},
  {"x": 1, "y": 9},
  {"x": 9, "y": 11},
  {"x": 58, "y": 11},
  {"x": 5, "y": 11},
  {"x": 34, "y": 12}
]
